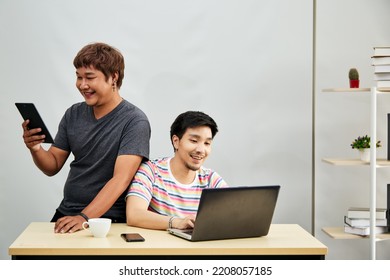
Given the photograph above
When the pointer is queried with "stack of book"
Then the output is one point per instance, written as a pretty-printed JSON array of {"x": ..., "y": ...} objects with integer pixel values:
[
  {"x": 357, "y": 221},
  {"x": 381, "y": 62}
]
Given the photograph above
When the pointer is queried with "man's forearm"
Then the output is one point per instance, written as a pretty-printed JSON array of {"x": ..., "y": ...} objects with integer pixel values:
[{"x": 45, "y": 161}]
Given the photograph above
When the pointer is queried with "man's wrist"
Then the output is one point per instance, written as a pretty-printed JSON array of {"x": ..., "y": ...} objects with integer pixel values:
[
  {"x": 34, "y": 149},
  {"x": 83, "y": 215},
  {"x": 170, "y": 222}
]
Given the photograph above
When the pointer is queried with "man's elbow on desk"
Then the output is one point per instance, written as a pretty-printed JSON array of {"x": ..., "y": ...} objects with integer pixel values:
[{"x": 136, "y": 209}]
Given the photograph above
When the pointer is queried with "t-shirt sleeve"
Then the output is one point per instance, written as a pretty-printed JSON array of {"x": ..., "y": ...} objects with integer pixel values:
[
  {"x": 135, "y": 139},
  {"x": 216, "y": 181},
  {"x": 61, "y": 139},
  {"x": 142, "y": 184}
]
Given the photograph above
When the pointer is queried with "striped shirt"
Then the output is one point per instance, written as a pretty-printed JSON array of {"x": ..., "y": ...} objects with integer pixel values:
[{"x": 155, "y": 183}]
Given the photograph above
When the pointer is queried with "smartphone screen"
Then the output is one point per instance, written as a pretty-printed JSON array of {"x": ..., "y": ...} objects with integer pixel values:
[
  {"x": 29, "y": 112},
  {"x": 132, "y": 237}
]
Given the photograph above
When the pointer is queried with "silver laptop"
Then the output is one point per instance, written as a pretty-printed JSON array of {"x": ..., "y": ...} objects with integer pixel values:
[{"x": 234, "y": 212}]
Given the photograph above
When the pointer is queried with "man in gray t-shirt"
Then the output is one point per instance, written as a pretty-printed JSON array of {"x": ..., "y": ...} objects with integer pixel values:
[
  {"x": 107, "y": 135},
  {"x": 95, "y": 145}
]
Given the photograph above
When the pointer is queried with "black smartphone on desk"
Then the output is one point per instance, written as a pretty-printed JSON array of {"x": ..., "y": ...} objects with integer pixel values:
[
  {"x": 30, "y": 112},
  {"x": 132, "y": 237}
]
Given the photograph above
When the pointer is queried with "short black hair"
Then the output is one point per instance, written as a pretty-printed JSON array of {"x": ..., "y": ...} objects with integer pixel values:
[{"x": 192, "y": 119}]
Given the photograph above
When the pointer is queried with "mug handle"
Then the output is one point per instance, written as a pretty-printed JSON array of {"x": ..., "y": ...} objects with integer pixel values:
[{"x": 84, "y": 225}]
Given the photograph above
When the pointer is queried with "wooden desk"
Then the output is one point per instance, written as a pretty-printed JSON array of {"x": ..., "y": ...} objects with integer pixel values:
[{"x": 288, "y": 241}]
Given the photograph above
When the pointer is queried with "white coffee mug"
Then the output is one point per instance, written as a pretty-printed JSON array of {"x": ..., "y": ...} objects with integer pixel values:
[{"x": 98, "y": 226}]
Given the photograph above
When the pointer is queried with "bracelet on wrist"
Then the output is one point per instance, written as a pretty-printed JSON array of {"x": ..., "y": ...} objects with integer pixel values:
[
  {"x": 170, "y": 221},
  {"x": 84, "y": 216}
]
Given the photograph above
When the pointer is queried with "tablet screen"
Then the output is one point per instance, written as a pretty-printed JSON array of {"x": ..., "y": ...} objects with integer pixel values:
[{"x": 30, "y": 112}]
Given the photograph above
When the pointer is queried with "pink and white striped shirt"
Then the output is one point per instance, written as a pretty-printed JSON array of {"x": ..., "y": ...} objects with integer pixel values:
[{"x": 155, "y": 183}]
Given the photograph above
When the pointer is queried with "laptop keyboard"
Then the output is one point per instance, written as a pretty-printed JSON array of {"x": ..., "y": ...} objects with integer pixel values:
[{"x": 188, "y": 231}]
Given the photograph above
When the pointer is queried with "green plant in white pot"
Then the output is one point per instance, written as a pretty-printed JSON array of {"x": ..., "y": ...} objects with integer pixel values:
[{"x": 362, "y": 143}]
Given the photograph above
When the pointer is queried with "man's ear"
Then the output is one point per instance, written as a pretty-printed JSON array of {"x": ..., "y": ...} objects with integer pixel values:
[
  {"x": 175, "y": 142},
  {"x": 115, "y": 76}
]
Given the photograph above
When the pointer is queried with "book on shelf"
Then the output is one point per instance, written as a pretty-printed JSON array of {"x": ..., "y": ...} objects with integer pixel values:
[
  {"x": 381, "y": 68},
  {"x": 354, "y": 222},
  {"x": 381, "y": 76},
  {"x": 382, "y": 51},
  {"x": 388, "y": 158},
  {"x": 364, "y": 231},
  {"x": 380, "y": 60},
  {"x": 383, "y": 83},
  {"x": 364, "y": 213}
]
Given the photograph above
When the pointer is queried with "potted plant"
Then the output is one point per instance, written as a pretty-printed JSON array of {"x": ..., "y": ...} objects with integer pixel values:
[
  {"x": 362, "y": 143},
  {"x": 353, "y": 78}
]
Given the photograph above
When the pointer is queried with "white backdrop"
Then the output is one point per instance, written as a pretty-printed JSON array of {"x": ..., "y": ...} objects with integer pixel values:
[{"x": 247, "y": 63}]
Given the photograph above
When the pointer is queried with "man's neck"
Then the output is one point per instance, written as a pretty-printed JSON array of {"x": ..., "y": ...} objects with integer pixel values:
[
  {"x": 181, "y": 173},
  {"x": 101, "y": 111}
]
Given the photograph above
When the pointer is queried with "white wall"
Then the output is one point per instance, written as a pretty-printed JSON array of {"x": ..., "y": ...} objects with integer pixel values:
[
  {"x": 346, "y": 32},
  {"x": 226, "y": 58}
]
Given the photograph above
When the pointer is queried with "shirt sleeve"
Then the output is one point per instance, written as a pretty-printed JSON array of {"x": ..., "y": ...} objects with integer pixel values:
[
  {"x": 61, "y": 139},
  {"x": 216, "y": 181},
  {"x": 142, "y": 184}
]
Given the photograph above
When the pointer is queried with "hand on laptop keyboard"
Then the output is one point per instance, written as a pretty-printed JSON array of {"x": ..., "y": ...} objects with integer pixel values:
[{"x": 187, "y": 222}]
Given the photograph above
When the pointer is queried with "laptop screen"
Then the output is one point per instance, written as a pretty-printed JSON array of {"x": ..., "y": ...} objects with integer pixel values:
[{"x": 235, "y": 212}]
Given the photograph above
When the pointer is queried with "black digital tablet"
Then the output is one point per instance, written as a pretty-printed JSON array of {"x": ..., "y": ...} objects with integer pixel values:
[{"x": 30, "y": 112}]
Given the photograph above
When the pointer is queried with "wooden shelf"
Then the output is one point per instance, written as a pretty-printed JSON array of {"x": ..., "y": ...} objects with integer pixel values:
[
  {"x": 346, "y": 90},
  {"x": 386, "y": 89},
  {"x": 338, "y": 233},
  {"x": 354, "y": 162},
  {"x": 379, "y": 90}
]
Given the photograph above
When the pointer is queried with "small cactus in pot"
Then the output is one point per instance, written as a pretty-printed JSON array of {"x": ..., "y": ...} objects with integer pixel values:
[{"x": 353, "y": 78}]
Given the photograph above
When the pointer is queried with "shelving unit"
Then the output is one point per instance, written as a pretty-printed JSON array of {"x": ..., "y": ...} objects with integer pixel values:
[{"x": 374, "y": 163}]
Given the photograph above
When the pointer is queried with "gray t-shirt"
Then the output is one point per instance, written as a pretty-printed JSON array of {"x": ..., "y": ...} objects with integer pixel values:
[{"x": 95, "y": 145}]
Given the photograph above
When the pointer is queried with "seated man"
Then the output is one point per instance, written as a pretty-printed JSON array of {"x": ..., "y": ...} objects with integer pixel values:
[{"x": 165, "y": 192}]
